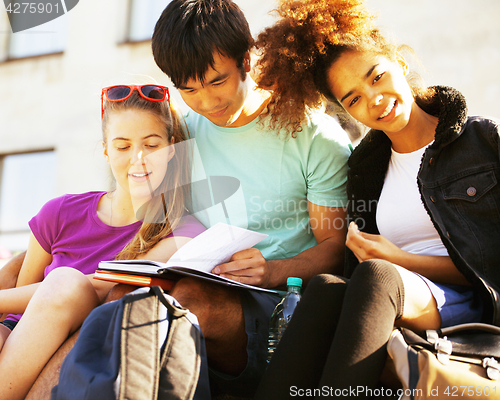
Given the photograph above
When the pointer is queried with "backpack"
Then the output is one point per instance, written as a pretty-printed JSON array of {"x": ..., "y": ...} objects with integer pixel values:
[{"x": 121, "y": 352}]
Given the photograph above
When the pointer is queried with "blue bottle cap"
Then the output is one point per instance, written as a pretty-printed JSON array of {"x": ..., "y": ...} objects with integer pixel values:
[{"x": 292, "y": 281}]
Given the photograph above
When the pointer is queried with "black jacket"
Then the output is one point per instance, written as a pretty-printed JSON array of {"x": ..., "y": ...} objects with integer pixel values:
[{"x": 458, "y": 183}]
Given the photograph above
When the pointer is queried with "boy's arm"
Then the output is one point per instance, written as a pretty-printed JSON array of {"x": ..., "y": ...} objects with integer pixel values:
[
  {"x": 10, "y": 271},
  {"x": 329, "y": 228}
]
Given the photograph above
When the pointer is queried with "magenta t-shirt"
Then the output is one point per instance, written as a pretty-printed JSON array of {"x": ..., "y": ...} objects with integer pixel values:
[{"x": 69, "y": 229}]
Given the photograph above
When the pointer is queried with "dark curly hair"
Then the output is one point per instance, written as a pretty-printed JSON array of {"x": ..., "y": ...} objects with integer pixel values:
[{"x": 297, "y": 51}]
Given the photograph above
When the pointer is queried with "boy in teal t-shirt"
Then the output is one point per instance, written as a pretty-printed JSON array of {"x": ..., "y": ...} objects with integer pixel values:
[
  {"x": 278, "y": 176},
  {"x": 292, "y": 188}
]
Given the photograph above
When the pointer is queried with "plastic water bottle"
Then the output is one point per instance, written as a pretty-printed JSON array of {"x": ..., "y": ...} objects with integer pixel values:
[{"x": 282, "y": 314}]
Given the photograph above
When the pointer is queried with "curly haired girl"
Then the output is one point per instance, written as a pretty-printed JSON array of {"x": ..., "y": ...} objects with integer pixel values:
[{"x": 423, "y": 238}]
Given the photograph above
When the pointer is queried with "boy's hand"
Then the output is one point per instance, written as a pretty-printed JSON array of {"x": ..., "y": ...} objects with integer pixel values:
[{"x": 247, "y": 266}]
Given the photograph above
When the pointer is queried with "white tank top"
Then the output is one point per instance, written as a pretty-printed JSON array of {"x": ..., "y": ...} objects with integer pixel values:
[{"x": 401, "y": 216}]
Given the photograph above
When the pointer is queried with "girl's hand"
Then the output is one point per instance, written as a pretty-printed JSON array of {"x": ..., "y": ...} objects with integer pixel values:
[
  {"x": 436, "y": 268},
  {"x": 366, "y": 246}
]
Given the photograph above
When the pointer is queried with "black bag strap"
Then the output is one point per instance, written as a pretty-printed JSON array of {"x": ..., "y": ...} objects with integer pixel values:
[
  {"x": 470, "y": 327},
  {"x": 414, "y": 372},
  {"x": 476, "y": 340}
]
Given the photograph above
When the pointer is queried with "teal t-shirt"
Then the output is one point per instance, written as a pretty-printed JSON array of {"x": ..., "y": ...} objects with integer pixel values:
[{"x": 277, "y": 177}]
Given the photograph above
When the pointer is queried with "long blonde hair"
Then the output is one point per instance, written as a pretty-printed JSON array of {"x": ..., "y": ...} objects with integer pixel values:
[{"x": 162, "y": 214}]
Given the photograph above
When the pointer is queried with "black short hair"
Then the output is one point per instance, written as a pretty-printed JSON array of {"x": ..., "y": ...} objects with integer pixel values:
[{"x": 188, "y": 33}]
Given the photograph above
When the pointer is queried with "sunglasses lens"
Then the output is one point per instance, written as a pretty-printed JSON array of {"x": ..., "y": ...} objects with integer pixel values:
[
  {"x": 118, "y": 92},
  {"x": 153, "y": 92}
]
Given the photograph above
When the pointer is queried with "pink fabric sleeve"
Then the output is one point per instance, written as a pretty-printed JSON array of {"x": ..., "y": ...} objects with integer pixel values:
[
  {"x": 189, "y": 227},
  {"x": 44, "y": 225}
]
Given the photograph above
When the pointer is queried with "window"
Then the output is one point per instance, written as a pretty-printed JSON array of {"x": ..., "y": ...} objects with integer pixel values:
[
  {"x": 44, "y": 39},
  {"x": 33, "y": 36},
  {"x": 143, "y": 17},
  {"x": 27, "y": 181}
]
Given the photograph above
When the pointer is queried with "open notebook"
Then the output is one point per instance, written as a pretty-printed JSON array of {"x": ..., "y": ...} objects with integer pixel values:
[{"x": 196, "y": 258}]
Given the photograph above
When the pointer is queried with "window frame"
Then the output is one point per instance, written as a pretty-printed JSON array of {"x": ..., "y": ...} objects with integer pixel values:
[
  {"x": 130, "y": 23},
  {"x": 3, "y": 156}
]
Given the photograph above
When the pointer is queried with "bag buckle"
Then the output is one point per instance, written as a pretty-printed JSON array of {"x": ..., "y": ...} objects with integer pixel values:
[
  {"x": 492, "y": 368},
  {"x": 442, "y": 346},
  {"x": 443, "y": 349}
]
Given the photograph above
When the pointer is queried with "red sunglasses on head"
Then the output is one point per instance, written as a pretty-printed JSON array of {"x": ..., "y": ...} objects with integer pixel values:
[{"x": 122, "y": 92}]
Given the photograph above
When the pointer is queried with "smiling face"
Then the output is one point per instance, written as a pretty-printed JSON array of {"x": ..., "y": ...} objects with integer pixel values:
[
  {"x": 373, "y": 90},
  {"x": 138, "y": 150},
  {"x": 221, "y": 97}
]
